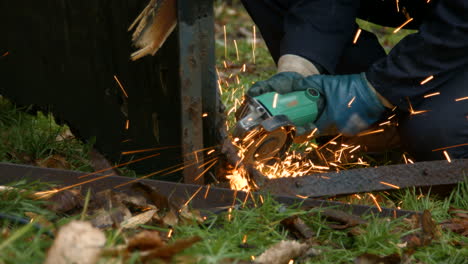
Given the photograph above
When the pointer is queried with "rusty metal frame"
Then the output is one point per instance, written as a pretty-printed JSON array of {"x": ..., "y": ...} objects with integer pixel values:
[{"x": 202, "y": 197}]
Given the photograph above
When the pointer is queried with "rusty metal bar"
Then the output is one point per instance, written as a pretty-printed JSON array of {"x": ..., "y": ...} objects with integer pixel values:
[
  {"x": 385, "y": 178},
  {"x": 212, "y": 199}
]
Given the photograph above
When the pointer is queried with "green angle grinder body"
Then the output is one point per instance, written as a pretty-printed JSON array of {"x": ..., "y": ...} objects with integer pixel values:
[{"x": 266, "y": 124}]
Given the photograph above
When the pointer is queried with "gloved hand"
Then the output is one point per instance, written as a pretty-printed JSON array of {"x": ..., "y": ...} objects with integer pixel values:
[
  {"x": 351, "y": 104},
  {"x": 349, "y": 116}
]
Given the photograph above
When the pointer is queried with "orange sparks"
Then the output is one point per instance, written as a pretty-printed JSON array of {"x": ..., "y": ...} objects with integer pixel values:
[
  {"x": 351, "y": 102},
  {"x": 419, "y": 112},
  {"x": 397, "y": 6},
  {"x": 193, "y": 196},
  {"x": 225, "y": 42},
  {"x": 237, "y": 50},
  {"x": 449, "y": 147},
  {"x": 411, "y": 161},
  {"x": 291, "y": 261},
  {"x": 207, "y": 169},
  {"x": 210, "y": 152},
  {"x": 312, "y": 133},
  {"x": 254, "y": 43},
  {"x": 431, "y": 94},
  {"x": 204, "y": 114},
  {"x": 244, "y": 67},
  {"x": 428, "y": 79},
  {"x": 229, "y": 214},
  {"x": 356, "y": 37},
  {"x": 390, "y": 185},
  {"x": 301, "y": 196},
  {"x": 461, "y": 99},
  {"x": 384, "y": 123},
  {"x": 332, "y": 140},
  {"x": 169, "y": 234},
  {"x": 225, "y": 66},
  {"x": 404, "y": 24},
  {"x": 275, "y": 100},
  {"x": 244, "y": 239},
  {"x": 447, "y": 156},
  {"x": 118, "y": 166},
  {"x": 127, "y": 124},
  {"x": 392, "y": 116},
  {"x": 375, "y": 202},
  {"x": 6, "y": 54},
  {"x": 121, "y": 86},
  {"x": 145, "y": 150},
  {"x": 354, "y": 149},
  {"x": 207, "y": 190},
  {"x": 370, "y": 132}
]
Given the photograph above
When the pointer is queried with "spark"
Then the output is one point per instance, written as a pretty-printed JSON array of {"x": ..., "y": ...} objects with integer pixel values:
[
  {"x": 358, "y": 196},
  {"x": 312, "y": 133},
  {"x": 252, "y": 258},
  {"x": 410, "y": 161},
  {"x": 193, "y": 196},
  {"x": 398, "y": 6},
  {"x": 428, "y": 79},
  {"x": 419, "y": 112},
  {"x": 229, "y": 214},
  {"x": 431, "y": 94},
  {"x": 291, "y": 261},
  {"x": 254, "y": 43},
  {"x": 237, "y": 50},
  {"x": 390, "y": 185},
  {"x": 204, "y": 114},
  {"x": 461, "y": 99},
  {"x": 169, "y": 234},
  {"x": 375, "y": 202},
  {"x": 384, "y": 123},
  {"x": 333, "y": 139},
  {"x": 119, "y": 165},
  {"x": 404, "y": 24},
  {"x": 354, "y": 149},
  {"x": 449, "y": 147},
  {"x": 447, "y": 156},
  {"x": 261, "y": 199},
  {"x": 302, "y": 197},
  {"x": 225, "y": 42},
  {"x": 207, "y": 190},
  {"x": 356, "y": 37},
  {"x": 392, "y": 116},
  {"x": 370, "y": 132},
  {"x": 210, "y": 152},
  {"x": 351, "y": 102},
  {"x": 6, "y": 54},
  {"x": 121, "y": 86},
  {"x": 145, "y": 150},
  {"x": 207, "y": 168},
  {"x": 428, "y": 1},
  {"x": 244, "y": 67},
  {"x": 244, "y": 239},
  {"x": 225, "y": 66},
  {"x": 127, "y": 124},
  {"x": 275, "y": 100},
  {"x": 412, "y": 112}
]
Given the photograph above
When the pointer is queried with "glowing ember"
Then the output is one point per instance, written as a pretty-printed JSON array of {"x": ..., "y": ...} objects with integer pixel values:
[{"x": 356, "y": 37}]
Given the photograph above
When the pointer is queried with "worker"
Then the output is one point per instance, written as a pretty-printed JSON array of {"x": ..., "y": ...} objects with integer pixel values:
[{"x": 422, "y": 82}]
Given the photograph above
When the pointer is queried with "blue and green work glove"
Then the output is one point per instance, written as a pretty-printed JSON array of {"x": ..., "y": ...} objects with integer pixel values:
[{"x": 350, "y": 105}]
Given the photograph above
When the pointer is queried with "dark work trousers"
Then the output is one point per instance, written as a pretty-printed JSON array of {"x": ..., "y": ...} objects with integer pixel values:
[{"x": 446, "y": 122}]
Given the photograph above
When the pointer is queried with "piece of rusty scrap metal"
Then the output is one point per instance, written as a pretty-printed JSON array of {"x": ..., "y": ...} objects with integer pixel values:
[
  {"x": 201, "y": 197},
  {"x": 421, "y": 174}
]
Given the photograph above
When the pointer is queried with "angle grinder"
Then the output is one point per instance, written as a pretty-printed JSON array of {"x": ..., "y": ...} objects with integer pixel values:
[{"x": 266, "y": 124}]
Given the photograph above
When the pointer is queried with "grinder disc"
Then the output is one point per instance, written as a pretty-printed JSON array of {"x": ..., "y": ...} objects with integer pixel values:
[{"x": 267, "y": 145}]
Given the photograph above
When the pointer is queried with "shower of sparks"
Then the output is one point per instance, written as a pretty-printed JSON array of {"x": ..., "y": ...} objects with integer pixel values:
[
  {"x": 449, "y": 147},
  {"x": 390, "y": 185},
  {"x": 121, "y": 86},
  {"x": 237, "y": 50},
  {"x": 356, "y": 37},
  {"x": 461, "y": 99},
  {"x": 119, "y": 165},
  {"x": 225, "y": 43},
  {"x": 428, "y": 79},
  {"x": 254, "y": 43},
  {"x": 127, "y": 124},
  {"x": 351, "y": 102},
  {"x": 431, "y": 94},
  {"x": 404, "y": 24},
  {"x": 375, "y": 202},
  {"x": 447, "y": 156},
  {"x": 370, "y": 132},
  {"x": 275, "y": 100}
]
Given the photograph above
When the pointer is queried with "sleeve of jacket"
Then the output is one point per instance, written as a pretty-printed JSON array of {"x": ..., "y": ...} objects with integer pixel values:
[{"x": 439, "y": 49}]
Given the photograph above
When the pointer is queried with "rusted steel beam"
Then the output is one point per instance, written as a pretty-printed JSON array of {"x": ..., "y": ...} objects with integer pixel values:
[
  {"x": 202, "y": 197},
  {"x": 385, "y": 178}
]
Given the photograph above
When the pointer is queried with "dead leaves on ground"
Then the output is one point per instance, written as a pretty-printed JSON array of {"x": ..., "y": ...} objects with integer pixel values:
[{"x": 458, "y": 223}]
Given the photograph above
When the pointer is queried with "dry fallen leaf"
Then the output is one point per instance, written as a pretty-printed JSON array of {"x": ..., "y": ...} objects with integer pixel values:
[
  {"x": 374, "y": 259},
  {"x": 296, "y": 226},
  {"x": 65, "y": 201},
  {"x": 282, "y": 252},
  {"x": 166, "y": 252},
  {"x": 77, "y": 242},
  {"x": 55, "y": 162},
  {"x": 145, "y": 240},
  {"x": 139, "y": 219}
]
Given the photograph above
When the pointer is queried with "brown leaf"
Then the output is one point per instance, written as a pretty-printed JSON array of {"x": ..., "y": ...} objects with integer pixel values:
[
  {"x": 457, "y": 225},
  {"x": 349, "y": 220},
  {"x": 374, "y": 259},
  {"x": 65, "y": 201},
  {"x": 296, "y": 226},
  {"x": 166, "y": 252},
  {"x": 77, "y": 242},
  {"x": 55, "y": 162},
  {"x": 429, "y": 228},
  {"x": 170, "y": 219},
  {"x": 146, "y": 240},
  {"x": 282, "y": 252},
  {"x": 139, "y": 219},
  {"x": 458, "y": 212},
  {"x": 152, "y": 194}
]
